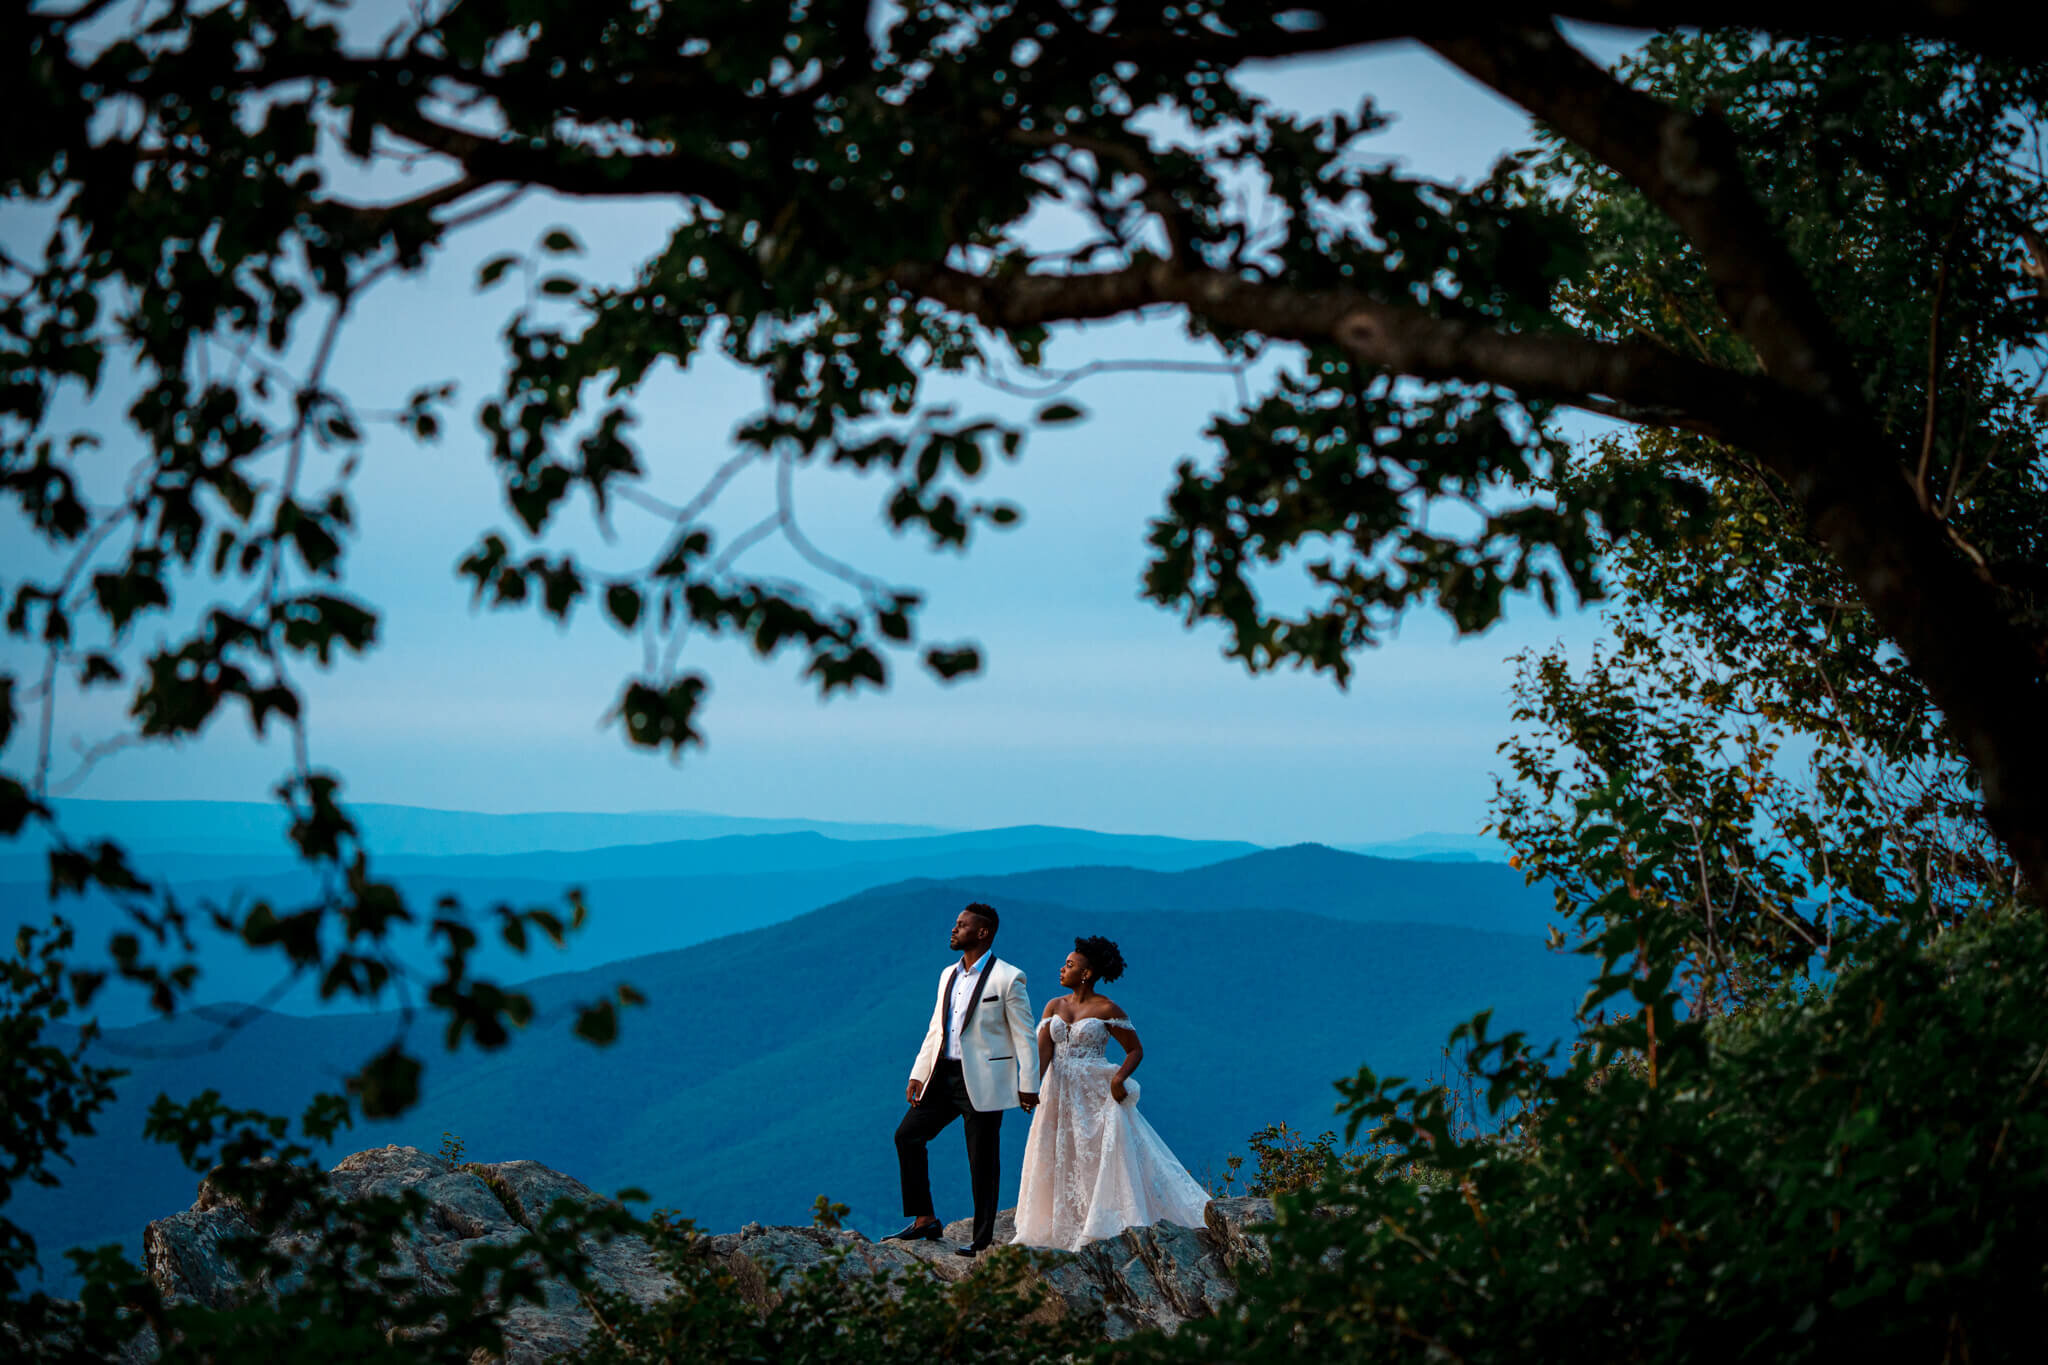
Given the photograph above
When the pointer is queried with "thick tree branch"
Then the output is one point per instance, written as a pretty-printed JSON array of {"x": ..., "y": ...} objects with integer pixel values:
[
  {"x": 1985, "y": 674},
  {"x": 566, "y": 170},
  {"x": 1398, "y": 338},
  {"x": 1983, "y": 671},
  {"x": 1296, "y": 30},
  {"x": 1689, "y": 167}
]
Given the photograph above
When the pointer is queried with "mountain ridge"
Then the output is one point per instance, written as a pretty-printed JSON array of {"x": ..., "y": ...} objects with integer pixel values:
[
  {"x": 632, "y": 916},
  {"x": 784, "y": 1048},
  {"x": 1311, "y": 877}
]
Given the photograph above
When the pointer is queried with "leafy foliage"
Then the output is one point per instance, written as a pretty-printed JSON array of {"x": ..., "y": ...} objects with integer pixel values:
[
  {"x": 51, "y": 1092},
  {"x": 1827, "y": 1172},
  {"x": 833, "y": 1311},
  {"x": 1809, "y": 270},
  {"x": 1746, "y": 692},
  {"x": 1792, "y": 1127}
]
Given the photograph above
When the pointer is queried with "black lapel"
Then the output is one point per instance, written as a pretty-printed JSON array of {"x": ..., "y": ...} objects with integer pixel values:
[
  {"x": 946, "y": 1007},
  {"x": 979, "y": 982}
]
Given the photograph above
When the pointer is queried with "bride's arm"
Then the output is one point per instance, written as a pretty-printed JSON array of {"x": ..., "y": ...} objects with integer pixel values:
[
  {"x": 1134, "y": 1052},
  {"x": 1044, "y": 1042}
]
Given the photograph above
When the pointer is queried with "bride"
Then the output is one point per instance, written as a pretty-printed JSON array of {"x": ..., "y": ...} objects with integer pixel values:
[{"x": 1092, "y": 1165}]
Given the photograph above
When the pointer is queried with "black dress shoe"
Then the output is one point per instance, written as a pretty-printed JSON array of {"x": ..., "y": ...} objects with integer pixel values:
[
  {"x": 918, "y": 1232},
  {"x": 969, "y": 1250}
]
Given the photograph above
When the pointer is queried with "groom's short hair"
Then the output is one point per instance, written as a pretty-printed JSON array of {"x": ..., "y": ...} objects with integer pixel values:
[{"x": 987, "y": 914}]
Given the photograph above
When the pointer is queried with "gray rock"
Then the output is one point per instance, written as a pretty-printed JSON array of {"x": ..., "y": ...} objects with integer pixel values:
[
  {"x": 1155, "y": 1277},
  {"x": 467, "y": 1209},
  {"x": 1230, "y": 1221},
  {"x": 625, "y": 1265},
  {"x": 183, "y": 1255},
  {"x": 960, "y": 1231},
  {"x": 1187, "y": 1269}
]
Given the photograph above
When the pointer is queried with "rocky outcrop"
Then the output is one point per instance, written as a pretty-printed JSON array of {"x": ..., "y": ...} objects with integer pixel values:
[
  {"x": 1156, "y": 1277},
  {"x": 468, "y": 1208},
  {"x": 1159, "y": 1276}
]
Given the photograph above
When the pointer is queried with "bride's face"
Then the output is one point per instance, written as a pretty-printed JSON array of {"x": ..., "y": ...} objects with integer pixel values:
[{"x": 1073, "y": 970}]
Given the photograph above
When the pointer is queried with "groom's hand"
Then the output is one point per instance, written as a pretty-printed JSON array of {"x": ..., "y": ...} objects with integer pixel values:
[
  {"x": 1028, "y": 1100},
  {"x": 913, "y": 1090}
]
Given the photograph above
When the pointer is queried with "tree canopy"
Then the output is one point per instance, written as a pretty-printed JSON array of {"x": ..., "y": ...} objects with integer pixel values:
[
  {"x": 849, "y": 188},
  {"x": 1797, "y": 262}
]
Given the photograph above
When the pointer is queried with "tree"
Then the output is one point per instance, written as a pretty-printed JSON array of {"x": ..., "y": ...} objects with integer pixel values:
[
  {"x": 1792, "y": 1127},
  {"x": 849, "y": 183},
  {"x": 1747, "y": 689},
  {"x": 849, "y": 194}
]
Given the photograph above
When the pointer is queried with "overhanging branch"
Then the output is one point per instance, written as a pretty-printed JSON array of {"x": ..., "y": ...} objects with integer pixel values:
[
  {"x": 1397, "y": 338},
  {"x": 1299, "y": 30},
  {"x": 1688, "y": 166}
]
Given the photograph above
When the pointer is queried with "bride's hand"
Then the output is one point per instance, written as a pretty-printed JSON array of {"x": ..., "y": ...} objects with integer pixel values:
[{"x": 1116, "y": 1089}]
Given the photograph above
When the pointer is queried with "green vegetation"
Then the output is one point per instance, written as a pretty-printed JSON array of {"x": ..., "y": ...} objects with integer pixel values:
[
  {"x": 996, "y": 1315},
  {"x": 1860, "y": 1170},
  {"x": 1796, "y": 819}
]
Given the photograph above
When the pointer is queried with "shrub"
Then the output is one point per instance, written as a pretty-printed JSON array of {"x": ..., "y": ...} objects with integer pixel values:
[{"x": 1856, "y": 1173}]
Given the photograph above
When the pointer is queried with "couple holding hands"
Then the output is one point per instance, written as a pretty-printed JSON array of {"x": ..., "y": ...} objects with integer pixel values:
[{"x": 1092, "y": 1165}]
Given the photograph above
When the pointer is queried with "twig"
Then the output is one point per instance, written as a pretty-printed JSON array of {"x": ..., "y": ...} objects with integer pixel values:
[
  {"x": 1933, "y": 369},
  {"x": 743, "y": 542},
  {"x": 90, "y": 759},
  {"x": 1065, "y": 380},
  {"x": 785, "y": 507}
]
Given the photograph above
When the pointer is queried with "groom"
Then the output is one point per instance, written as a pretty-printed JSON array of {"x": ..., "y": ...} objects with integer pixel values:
[{"x": 980, "y": 1057}]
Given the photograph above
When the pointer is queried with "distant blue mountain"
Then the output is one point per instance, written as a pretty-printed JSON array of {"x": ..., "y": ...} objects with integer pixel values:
[
  {"x": 249, "y": 827},
  {"x": 1030, "y": 845},
  {"x": 1307, "y": 877},
  {"x": 706, "y": 889},
  {"x": 1437, "y": 846},
  {"x": 734, "y": 854},
  {"x": 631, "y": 916},
  {"x": 768, "y": 1066}
]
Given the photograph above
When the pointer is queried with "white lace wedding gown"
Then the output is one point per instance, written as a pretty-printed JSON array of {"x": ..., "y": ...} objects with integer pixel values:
[{"x": 1093, "y": 1167}]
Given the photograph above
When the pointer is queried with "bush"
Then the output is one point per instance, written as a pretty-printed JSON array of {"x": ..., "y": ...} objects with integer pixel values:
[
  {"x": 1862, "y": 1172},
  {"x": 833, "y": 1311}
]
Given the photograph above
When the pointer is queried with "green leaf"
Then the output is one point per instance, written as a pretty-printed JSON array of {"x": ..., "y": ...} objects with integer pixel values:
[
  {"x": 598, "y": 1023},
  {"x": 561, "y": 242},
  {"x": 950, "y": 664},
  {"x": 1057, "y": 414},
  {"x": 622, "y": 603},
  {"x": 389, "y": 1085},
  {"x": 494, "y": 270}
]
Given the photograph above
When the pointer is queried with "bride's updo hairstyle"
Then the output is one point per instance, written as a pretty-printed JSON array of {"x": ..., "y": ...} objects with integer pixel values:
[{"x": 1102, "y": 955}]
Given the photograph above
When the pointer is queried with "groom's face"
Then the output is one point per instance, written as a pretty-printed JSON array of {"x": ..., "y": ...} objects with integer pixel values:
[{"x": 968, "y": 930}]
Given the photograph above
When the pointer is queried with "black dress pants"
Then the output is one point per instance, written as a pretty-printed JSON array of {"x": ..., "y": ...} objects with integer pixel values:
[{"x": 944, "y": 1098}]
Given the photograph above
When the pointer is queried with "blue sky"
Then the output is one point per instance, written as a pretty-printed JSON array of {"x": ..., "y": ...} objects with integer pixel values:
[{"x": 1094, "y": 709}]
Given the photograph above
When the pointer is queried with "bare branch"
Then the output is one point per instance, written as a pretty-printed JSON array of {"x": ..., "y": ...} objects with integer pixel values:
[
  {"x": 1057, "y": 384},
  {"x": 1934, "y": 366},
  {"x": 785, "y": 508}
]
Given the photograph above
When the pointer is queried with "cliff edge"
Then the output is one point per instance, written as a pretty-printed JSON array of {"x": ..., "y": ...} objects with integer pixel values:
[{"x": 1151, "y": 1277}]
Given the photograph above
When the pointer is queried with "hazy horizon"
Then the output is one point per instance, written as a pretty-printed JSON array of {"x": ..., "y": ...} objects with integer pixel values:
[
  {"x": 879, "y": 818},
  {"x": 1095, "y": 709}
]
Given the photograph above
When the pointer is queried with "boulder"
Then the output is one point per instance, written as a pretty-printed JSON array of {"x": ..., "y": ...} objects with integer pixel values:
[
  {"x": 1230, "y": 1222},
  {"x": 1159, "y": 1276},
  {"x": 468, "y": 1208},
  {"x": 1149, "y": 1277}
]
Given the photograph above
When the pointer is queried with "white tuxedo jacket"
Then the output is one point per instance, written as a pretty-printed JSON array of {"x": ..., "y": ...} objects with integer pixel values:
[{"x": 998, "y": 1044}]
